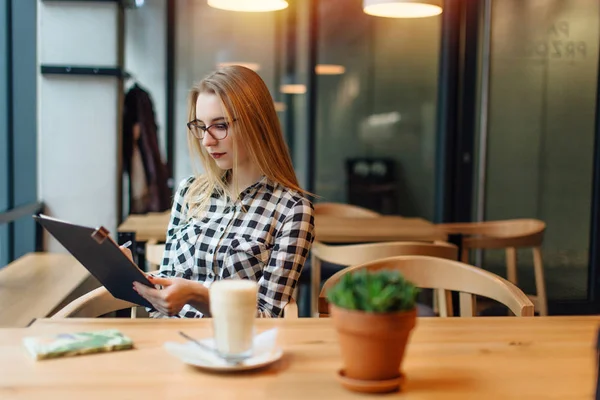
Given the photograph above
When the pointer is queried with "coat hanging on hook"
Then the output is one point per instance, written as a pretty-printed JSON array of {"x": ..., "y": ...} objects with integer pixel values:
[{"x": 142, "y": 161}]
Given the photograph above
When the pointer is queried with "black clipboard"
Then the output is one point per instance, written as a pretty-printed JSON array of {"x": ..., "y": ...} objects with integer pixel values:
[{"x": 99, "y": 254}]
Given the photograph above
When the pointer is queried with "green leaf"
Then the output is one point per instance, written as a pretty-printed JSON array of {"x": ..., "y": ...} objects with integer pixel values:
[{"x": 379, "y": 292}]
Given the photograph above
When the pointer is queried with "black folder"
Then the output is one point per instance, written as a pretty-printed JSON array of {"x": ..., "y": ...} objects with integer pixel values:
[{"x": 99, "y": 254}]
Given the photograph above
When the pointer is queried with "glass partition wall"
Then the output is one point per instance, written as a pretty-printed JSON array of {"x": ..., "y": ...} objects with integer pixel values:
[
  {"x": 541, "y": 132},
  {"x": 376, "y": 109}
]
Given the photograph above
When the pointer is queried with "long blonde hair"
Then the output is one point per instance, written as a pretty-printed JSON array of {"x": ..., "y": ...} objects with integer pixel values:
[{"x": 246, "y": 99}]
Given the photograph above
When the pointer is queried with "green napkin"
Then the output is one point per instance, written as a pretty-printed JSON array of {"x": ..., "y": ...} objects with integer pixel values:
[{"x": 72, "y": 344}]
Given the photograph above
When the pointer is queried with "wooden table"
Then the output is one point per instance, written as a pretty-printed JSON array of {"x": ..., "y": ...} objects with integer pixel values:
[
  {"x": 35, "y": 284},
  {"x": 380, "y": 229},
  {"x": 327, "y": 229},
  {"x": 152, "y": 226},
  {"x": 450, "y": 358}
]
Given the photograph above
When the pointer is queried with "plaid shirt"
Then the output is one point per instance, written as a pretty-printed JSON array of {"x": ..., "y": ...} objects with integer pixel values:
[{"x": 269, "y": 243}]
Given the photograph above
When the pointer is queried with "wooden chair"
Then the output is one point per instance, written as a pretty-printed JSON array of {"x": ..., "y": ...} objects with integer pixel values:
[
  {"x": 438, "y": 273},
  {"x": 99, "y": 302},
  {"x": 94, "y": 304},
  {"x": 333, "y": 210},
  {"x": 344, "y": 210},
  {"x": 37, "y": 284},
  {"x": 363, "y": 253},
  {"x": 509, "y": 235}
]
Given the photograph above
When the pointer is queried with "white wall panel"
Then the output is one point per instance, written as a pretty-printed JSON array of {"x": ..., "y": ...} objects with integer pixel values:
[
  {"x": 77, "y": 127},
  {"x": 78, "y": 33}
]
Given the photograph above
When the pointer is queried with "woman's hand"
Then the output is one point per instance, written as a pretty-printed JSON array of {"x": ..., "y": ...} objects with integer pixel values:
[
  {"x": 127, "y": 252},
  {"x": 175, "y": 293}
]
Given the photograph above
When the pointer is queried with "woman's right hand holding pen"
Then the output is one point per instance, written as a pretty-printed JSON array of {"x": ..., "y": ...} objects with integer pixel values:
[{"x": 125, "y": 249}]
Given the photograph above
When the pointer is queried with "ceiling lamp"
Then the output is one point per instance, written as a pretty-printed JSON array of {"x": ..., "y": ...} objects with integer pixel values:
[
  {"x": 253, "y": 66},
  {"x": 294, "y": 88},
  {"x": 402, "y": 8},
  {"x": 249, "y": 5},
  {"x": 329, "y": 69}
]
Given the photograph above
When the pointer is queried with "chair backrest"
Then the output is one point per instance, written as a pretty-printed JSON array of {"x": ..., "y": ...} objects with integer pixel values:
[
  {"x": 356, "y": 254},
  {"x": 99, "y": 302},
  {"x": 438, "y": 273},
  {"x": 498, "y": 234},
  {"x": 94, "y": 304},
  {"x": 344, "y": 210},
  {"x": 154, "y": 255}
]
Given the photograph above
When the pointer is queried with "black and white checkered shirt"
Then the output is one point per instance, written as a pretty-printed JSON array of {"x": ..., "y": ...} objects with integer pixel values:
[{"x": 268, "y": 243}]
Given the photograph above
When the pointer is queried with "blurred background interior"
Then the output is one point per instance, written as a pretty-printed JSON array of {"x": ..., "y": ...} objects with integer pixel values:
[{"x": 486, "y": 111}]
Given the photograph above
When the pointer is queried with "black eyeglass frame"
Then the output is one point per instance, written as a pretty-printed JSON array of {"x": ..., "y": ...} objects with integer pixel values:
[{"x": 193, "y": 128}]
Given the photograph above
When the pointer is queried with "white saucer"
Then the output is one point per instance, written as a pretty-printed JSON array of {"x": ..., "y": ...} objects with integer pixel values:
[
  {"x": 265, "y": 353},
  {"x": 206, "y": 363}
]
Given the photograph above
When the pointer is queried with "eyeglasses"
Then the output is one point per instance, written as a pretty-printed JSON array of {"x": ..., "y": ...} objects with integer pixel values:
[{"x": 218, "y": 131}]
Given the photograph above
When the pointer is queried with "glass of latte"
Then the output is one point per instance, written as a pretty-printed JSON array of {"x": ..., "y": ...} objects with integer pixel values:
[{"x": 233, "y": 310}]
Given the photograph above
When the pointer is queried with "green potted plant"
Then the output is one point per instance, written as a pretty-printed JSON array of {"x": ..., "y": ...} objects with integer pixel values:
[{"x": 374, "y": 314}]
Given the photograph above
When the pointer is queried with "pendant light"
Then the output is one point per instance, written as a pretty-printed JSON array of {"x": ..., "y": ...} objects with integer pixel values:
[
  {"x": 402, "y": 8},
  {"x": 249, "y": 5},
  {"x": 329, "y": 69},
  {"x": 293, "y": 88}
]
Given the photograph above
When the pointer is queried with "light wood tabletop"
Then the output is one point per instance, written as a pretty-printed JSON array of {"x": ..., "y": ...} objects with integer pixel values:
[
  {"x": 449, "y": 358},
  {"x": 327, "y": 228},
  {"x": 33, "y": 285},
  {"x": 152, "y": 226},
  {"x": 387, "y": 228}
]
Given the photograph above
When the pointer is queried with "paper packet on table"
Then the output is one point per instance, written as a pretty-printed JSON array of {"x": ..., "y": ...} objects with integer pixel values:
[{"x": 72, "y": 344}]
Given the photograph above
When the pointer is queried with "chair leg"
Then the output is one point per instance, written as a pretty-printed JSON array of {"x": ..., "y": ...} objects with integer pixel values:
[
  {"x": 540, "y": 284},
  {"x": 511, "y": 264},
  {"x": 315, "y": 287},
  {"x": 464, "y": 255}
]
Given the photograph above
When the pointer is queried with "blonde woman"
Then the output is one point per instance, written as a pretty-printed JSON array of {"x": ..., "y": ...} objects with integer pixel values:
[{"x": 246, "y": 216}]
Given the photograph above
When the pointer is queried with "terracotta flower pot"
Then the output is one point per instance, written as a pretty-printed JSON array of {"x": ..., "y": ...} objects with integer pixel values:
[{"x": 372, "y": 344}]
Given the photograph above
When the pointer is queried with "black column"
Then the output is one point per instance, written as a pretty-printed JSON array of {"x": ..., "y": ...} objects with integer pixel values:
[
  {"x": 311, "y": 86},
  {"x": 457, "y": 110},
  {"x": 289, "y": 73},
  {"x": 170, "y": 93},
  {"x": 447, "y": 110}
]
